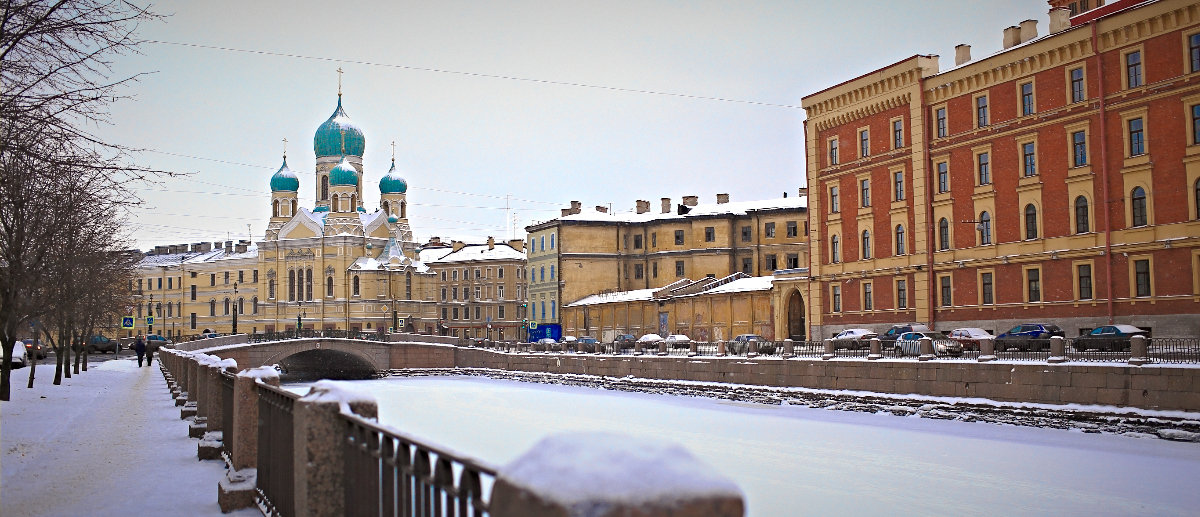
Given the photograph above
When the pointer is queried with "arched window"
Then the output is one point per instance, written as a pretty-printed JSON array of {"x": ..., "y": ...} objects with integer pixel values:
[
  {"x": 543, "y": 274},
  {"x": 308, "y": 284},
  {"x": 324, "y": 187},
  {"x": 943, "y": 234},
  {"x": 403, "y": 210},
  {"x": 985, "y": 228},
  {"x": 353, "y": 202},
  {"x": 1031, "y": 231},
  {"x": 355, "y": 283},
  {"x": 293, "y": 207},
  {"x": 1137, "y": 206},
  {"x": 834, "y": 252},
  {"x": 408, "y": 285},
  {"x": 552, "y": 241},
  {"x": 551, "y": 267},
  {"x": 212, "y": 307},
  {"x": 866, "y": 244},
  {"x": 1082, "y": 224},
  {"x": 254, "y": 305},
  {"x": 271, "y": 289},
  {"x": 1196, "y": 195},
  {"x": 158, "y": 310},
  {"x": 241, "y": 306},
  {"x": 275, "y": 208},
  {"x": 227, "y": 306},
  {"x": 387, "y": 208},
  {"x": 291, "y": 285},
  {"x": 329, "y": 287},
  {"x": 901, "y": 248}
]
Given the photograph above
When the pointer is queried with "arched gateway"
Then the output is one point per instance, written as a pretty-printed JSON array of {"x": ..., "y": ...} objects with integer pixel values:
[{"x": 795, "y": 317}]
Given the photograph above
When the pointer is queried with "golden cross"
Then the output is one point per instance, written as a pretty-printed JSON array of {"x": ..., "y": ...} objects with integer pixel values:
[
  {"x": 339, "y": 71},
  {"x": 285, "y": 148},
  {"x": 393, "y": 150}
]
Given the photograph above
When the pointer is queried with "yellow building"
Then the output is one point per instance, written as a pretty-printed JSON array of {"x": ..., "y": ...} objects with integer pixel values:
[{"x": 480, "y": 287}]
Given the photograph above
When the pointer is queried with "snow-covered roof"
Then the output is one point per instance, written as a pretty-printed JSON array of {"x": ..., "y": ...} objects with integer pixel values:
[
  {"x": 175, "y": 259},
  {"x": 621, "y": 296},
  {"x": 743, "y": 285},
  {"x": 700, "y": 210},
  {"x": 472, "y": 252}
]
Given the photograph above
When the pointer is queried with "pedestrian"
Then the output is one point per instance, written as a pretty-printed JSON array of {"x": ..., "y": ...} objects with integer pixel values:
[
  {"x": 151, "y": 346},
  {"x": 139, "y": 346}
]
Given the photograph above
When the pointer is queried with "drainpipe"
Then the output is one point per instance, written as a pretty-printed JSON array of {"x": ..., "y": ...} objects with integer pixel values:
[
  {"x": 1108, "y": 269},
  {"x": 929, "y": 239}
]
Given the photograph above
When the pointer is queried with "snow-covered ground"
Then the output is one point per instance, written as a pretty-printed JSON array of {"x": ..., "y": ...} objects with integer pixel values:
[
  {"x": 795, "y": 460},
  {"x": 108, "y": 441}
]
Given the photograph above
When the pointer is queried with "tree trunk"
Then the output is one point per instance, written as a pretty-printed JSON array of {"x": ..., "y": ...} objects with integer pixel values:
[{"x": 32, "y": 366}]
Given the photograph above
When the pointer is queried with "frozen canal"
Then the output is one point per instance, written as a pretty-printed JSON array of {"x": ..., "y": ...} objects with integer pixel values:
[{"x": 793, "y": 460}]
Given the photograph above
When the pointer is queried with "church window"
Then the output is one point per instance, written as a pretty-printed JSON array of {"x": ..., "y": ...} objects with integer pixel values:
[
  {"x": 270, "y": 289},
  {"x": 291, "y": 285},
  {"x": 293, "y": 212},
  {"x": 324, "y": 187},
  {"x": 387, "y": 208},
  {"x": 355, "y": 282},
  {"x": 275, "y": 208},
  {"x": 329, "y": 287},
  {"x": 227, "y": 306},
  {"x": 403, "y": 210},
  {"x": 308, "y": 284}
]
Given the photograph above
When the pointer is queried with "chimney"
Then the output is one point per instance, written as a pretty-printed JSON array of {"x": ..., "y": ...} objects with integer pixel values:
[
  {"x": 666, "y": 205},
  {"x": 517, "y": 244},
  {"x": 1060, "y": 19},
  {"x": 566, "y": 212},
  {"x": 602, "y": 209},
  {"x": 1028, "y": 30},
  {"x": 962, "y": 54},
  {"x": 690, "y": 200},
  {"x": 160, "y": 250},
  {"x": 457, "y": 245},
  {"x": 203, "y": 247},
  {"x": 228, "y": 245},
  {"x": 802, "y": 191},
  {"x": 643, "y": 206},
  {"x": 1012, "y": 36},
  {"x": 722, "y": 199},
  {"x": 241, "y": 247},
  {"x": 576, "y": 207},
  {"x": 491, "y": 242},
  {"x": 435, "y": 241}
]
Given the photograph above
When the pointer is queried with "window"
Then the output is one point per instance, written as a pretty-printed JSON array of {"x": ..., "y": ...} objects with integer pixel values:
[
  {"x": 864, "y": 188},
  {"x": 308, "y": 284},
  {"x": 542, "y": 274},
  {"x": 653, "y": 239},
  {"x": 1196, "y": 124},
  {"x": 638, "y": 271},
  {"x": 981, "y": 111},
  {"x": 226, "y": 306},
  {"x": 355, "y": 284},
  {"x": 866, "y": 244},
  {"x": 943, "y": 177},
  {"x": 793, "y": 260},
  {"x": 292, "y": 285},
  {"x": 791, "y": 229},
  {"x": 453, "y": 293},
  {"x": 500, "y": 292},
  {"x": 833, "y": 200},
  {"x": 500, "y": 270},
  {"x": 654, "y": 269},
  {"x": 1082, "y": 224},
  {"x": 443, "y": 294},
  {"x": 1133, "y": 69},
  {"x": 1194, "y": 52},
  {"x": 193, "y": 321},
  {"x": 226, "y": 280},
  {"x": 678, "y": 237},
  {"x": 834, "y": 252},
  {"x": 1141, "y": 273},
  {"x": 1137, "y": 206},
  {"x": 769, "y": 230},
  {"x": 212, "y": 307},
  {"x": 1031, "y": 230},
  {"x": 901, "y": 294},
  {"x": 637, "y": 244},
  {"x": 1033, "y": 284},
  {"x": 836, "y": 297},
  {"x": 1029, "y": 159},
  {"x": 456, "y": 313},
  {"x": 901, "y": 249},
  {"x": 940, "y": 116},
  {"x": 986, "y": 289},
  {"x": 241, "y": 277},
  {"x": 1196, "y": 197},
  {"x": 985, "y": 228},
  {"x": 897, "y": 134},
  {"x": 833, "y": 151},
  {"x": 1027, "y": 107},
  {"x": 500, "y": 312},
  {"x": 542, "y": 243},
  {"x": 1137, "y": 137},
  {"x": 479, "y": 272},
  {"x": 1084, "y": 274},
  {"x": 772, "y": 262},
  {"x": 212, "y": 279},
  {"x": 477, "y": 312},
  {"x": 170, "y": 283},
  {"x": 745, "y": 234},
  {"x": 1077, "y": 87},
  {"x": 254, "y": 275},
  {"x": 1079, "y": 148},
  {"x": 454, "y": 275},
  {"x": 270, "y": 289},
  {"x": 194, "y": 293},
  {"x": 864, "y": 143},
  {"x": 552, "y": 241},
  {"x": 868, "y": 298},
  {"x": 943, "y": 234},
  {"x": 945, "y": 282},
  {"x": 898, "y": 185},
  {"x": 983, "y": 165},
  {"x": 679, "y": 268},
  {"x": 747, "y": 265}
]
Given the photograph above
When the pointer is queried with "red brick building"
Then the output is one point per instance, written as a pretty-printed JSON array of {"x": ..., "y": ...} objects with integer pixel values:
[{"x": 1057, "y": 180}]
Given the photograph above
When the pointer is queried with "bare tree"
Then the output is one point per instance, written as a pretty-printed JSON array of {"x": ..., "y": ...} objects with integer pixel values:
[{"x": 55, "y": 174}]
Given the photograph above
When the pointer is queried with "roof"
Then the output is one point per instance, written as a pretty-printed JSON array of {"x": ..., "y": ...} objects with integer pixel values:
[
  {"x": 473, "y": 252},
  {"x": 617, "y": 297},
  {"x": 739, "y": 285},
  {"x": 736, "y": 208}
]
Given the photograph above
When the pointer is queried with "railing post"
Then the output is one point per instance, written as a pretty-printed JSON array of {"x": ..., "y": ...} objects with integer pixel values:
[
  {"x": 1057, "y": 350},
  {"x": 1139, "y": 351},
  {"x": 789, "y": 348},
  {"x": 211, "y": 439},
  {"x": 524, "y": 489},
  {"x": 319, "y": 462},
  {"x": 637, "y": 348},
  {"x": 927, "y": 353},
  {"x": 721, "y": 349},
  {"x": 830, "y": 350},
  {"x": 752, "y": 349},
  {"x": 237, "y": 489},
  {"x": 987, "y": 350},
  {"x": 876, "y": 349},
  {"x": 189, "y": 407},
  {"x": 693, "y": 349},
  {"x": 662, "y": 347}
]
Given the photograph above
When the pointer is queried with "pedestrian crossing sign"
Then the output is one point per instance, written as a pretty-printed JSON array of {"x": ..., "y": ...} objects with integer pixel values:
[
  {"x": 149, "y": 321},
  {"x": 127, "y": 322}
]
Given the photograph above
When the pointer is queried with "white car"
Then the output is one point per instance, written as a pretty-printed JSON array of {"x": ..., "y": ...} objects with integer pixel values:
[
  {"x": 854, "y": 338},
  {"x": 909, "y": 343},
  {"x": 678, "y": 341},
  {"x": 650, "y": 338},
  {"x": 19, "y": 358}
]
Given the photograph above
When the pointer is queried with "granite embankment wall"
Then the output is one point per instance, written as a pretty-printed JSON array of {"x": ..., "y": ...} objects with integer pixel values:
[{"x": 1148, "y": 387}]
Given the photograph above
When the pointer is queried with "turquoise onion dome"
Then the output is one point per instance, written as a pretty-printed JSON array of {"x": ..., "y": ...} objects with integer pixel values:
[
  {"x": 285, "y": 180},
  {"x": 329, "y": 137},
  {"x": 392, "y": 183},
  {"x": 392, "y": 219},
  {"x": 343, "y": 174},
  {"x": 320, "y": 209}
]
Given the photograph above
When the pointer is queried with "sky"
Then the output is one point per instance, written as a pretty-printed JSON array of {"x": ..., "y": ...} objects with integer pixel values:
[{"x": 503, "y": 112}]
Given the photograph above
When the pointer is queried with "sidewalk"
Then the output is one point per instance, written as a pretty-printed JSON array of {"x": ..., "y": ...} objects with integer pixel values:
[{"x": 108, "y": 441}]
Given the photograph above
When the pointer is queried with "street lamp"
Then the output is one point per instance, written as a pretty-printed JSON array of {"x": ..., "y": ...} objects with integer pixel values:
[
  {"x": 150, "y": 313},
  {"x": 299, "y": 316},
  {"x": 235, "y": 308}
]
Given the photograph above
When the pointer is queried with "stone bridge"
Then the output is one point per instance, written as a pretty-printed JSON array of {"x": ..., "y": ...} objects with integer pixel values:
[{"x": 332, "y": 358}]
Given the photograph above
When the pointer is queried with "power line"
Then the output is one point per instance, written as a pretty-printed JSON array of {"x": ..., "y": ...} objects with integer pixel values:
[{"x": 477, "y": 74}]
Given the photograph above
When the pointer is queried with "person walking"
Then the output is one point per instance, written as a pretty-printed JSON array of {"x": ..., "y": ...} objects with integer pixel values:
[
  {"x": 139, "y": 346},
  {"x": 151, "y": 346}
]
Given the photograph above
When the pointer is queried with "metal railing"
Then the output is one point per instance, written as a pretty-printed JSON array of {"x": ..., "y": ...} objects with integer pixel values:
[
  {"x": 388, "y": 473},
  {"x": 276, "y": 450},
  {"x": 262, "y": 337}
]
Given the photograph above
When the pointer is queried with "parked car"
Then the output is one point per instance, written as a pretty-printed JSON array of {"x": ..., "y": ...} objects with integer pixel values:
[
  {"x": 1028, "y": 336},
  {"x": 909, "y": 343},
  {"x": 624, "y": 340},
  {"x": 746, "y": 338},
  {"x": 650, "y": 338},
  {"x": 588, "y": 340},
  {"x": 854, "y": 338},
  {"x": 894, "y": 333},
  {"x": 155, "y": 341},
  {"x": 678, "y": 341},
  {"x": 1109, "y": 337},
  {"x": 34, "y": 349},
  {"x": 19, "y": 358},
  {"x": 209, "y": 335},
  {"x": 101, "y": 344},
  {"x": 587, "y": 344},
  {"x": 969, "y": 337}
]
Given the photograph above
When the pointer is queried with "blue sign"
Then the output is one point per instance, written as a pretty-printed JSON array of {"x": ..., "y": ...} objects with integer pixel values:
[
  {"x": 150, "y": 321},
  {"x": 127, "y": 322},
  {"x": 545, "y": 330}
]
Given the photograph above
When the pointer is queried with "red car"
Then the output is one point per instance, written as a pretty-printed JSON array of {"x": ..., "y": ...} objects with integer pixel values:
[{"x": 969, "y": 337}]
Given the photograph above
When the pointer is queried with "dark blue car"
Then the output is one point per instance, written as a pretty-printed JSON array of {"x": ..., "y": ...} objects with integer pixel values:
[{"x": 1029, "y": 336}]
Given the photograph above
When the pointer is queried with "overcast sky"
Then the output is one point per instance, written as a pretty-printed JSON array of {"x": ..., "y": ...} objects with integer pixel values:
[{"x": 472, "y": 94}]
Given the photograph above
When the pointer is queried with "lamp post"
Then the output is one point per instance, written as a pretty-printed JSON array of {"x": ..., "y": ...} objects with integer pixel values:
[
  {"x": 299, "y": 317},
  {"x": 235, "y": 308},
  {"x": 150, "y": 313}
]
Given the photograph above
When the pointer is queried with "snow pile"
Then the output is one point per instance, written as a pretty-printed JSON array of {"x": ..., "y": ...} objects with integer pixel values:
[
  {"x": 581, "y": 470},
  {"x": 326, "y": 391},
  {"x": 262, "y": 373}
]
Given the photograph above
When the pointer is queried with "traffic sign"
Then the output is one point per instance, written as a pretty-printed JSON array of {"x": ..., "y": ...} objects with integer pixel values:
[
  {"x": 127, "y": 322},
  {"x": 149, "y": 321},
  {"x": 532, "y": 324}
]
